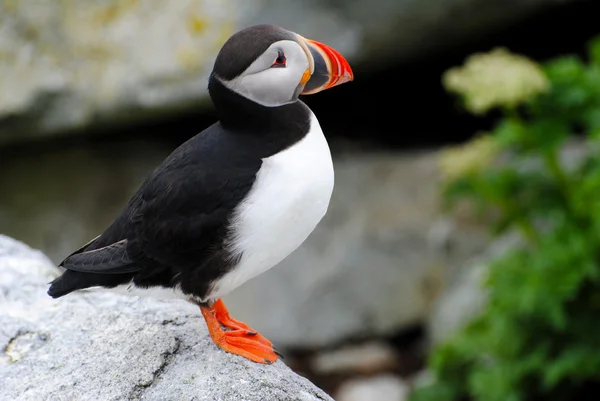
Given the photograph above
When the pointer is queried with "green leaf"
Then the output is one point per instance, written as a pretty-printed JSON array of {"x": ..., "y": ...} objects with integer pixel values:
[
  {"x": 511, "y": 133},
  {"x": 564, "y": 69},
  {"x": 594, "y": 50},
  {"x": 591, "y": 118},
  {"x": 572, "y": 364}
]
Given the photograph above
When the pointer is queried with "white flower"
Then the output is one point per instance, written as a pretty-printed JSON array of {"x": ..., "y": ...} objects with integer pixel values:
[{"x": 496, "y": 78}]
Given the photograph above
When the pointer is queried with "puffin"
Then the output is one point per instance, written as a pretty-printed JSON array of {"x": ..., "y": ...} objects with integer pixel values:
[{"x": 232, "y": 201}]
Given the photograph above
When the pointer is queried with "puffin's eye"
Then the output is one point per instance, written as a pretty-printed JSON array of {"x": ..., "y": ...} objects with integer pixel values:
[{"x": 280, "y": 60}]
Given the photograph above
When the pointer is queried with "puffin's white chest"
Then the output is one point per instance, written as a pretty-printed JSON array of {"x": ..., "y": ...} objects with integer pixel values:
[{"x": 289, "y": 197}]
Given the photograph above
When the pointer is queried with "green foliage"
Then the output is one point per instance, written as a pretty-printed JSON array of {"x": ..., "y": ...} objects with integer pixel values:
[{"x": 538, "y": 338}]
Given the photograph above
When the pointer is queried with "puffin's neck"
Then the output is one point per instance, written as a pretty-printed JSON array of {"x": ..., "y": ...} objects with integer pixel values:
[{"x": 286, "y": 124}]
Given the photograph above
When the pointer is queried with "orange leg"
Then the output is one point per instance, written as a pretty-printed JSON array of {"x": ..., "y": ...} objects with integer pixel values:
[{"x": 240, "y": 339}]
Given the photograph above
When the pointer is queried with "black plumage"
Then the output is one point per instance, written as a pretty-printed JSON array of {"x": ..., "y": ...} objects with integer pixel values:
[{"x": 172, "y": 231}]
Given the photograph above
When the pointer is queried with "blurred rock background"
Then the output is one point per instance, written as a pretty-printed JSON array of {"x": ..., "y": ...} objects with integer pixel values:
[
  {"x": 78, "y": 66},
  {"x": 94, "y": 94}
]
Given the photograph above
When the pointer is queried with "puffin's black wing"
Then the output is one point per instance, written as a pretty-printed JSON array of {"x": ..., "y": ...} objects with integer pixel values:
[
  {"x": 175, "y": 223},
  {"x": 186, "y": 207},
  {"x": 111, "y": 259}
]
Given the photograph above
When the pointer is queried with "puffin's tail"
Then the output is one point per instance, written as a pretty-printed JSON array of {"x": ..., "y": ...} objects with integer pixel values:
[
  {"x": 65, "y": 284},
  {"x": 73, "y": 280}
]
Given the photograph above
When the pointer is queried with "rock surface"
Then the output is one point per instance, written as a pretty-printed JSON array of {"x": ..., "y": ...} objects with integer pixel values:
[
  {"x": 374, "y": 265},
  {"x": 362, "y": 359},
  {"x": 103, "y": 346},
  {"x": 380, "y": 388},
  {"x": 69, "y": 65}
]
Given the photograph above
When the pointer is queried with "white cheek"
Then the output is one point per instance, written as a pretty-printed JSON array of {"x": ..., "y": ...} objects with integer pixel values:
[{"x": 272, "y": 87}]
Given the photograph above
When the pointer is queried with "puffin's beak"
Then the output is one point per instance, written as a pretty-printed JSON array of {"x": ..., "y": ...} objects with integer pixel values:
[{"x": 327, "y": 67}]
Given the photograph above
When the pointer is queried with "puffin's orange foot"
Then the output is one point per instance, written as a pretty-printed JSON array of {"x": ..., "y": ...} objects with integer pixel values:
[
  {"x": 239, "y": 343},
  {"x": 240, "y": 339},
  {"x": 222, "y": 315}
]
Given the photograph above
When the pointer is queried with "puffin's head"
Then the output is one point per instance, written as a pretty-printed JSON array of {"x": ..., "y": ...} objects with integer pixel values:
[{"x": 273, "y": 66}]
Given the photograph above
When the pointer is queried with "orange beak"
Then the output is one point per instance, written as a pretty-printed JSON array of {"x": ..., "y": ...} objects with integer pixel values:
[{"x": 327, "y": 67}]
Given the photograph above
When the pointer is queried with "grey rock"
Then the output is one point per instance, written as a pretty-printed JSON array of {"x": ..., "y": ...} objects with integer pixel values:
[
  {"x": 420, "y": 379},
  {"x": 72, "y": 66},
  {"x": 102, "y": 346},
  {"x": 462, "y": 301},
  {"x": 381, "y": 388},
  {"x": 363, "y": 359},
  {"x": 464, "y": 297}
]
